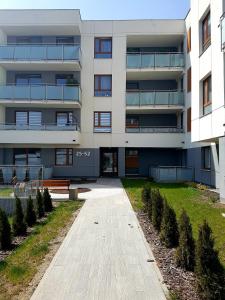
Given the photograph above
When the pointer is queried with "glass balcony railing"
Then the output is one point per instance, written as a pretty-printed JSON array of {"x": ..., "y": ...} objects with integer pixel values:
[
  {"x": 40, "y": 92},
  {"x": 40, "y": 52},
  {"x": 151, "y": 129},
  {"x": 146, "y": 98},
  {"x": 155, "y": 60},
  {"x": 46, "y": 127}
]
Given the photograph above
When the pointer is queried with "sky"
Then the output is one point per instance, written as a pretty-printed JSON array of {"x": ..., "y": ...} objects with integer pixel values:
[{"x": 109, "y": 9}]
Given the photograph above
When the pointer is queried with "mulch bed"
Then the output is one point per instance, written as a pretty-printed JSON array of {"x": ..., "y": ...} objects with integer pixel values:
[{"x": 182, "y": 283}]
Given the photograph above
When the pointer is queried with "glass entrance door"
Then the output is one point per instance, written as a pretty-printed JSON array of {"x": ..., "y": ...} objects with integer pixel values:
[{"x": 109, "y": 162}]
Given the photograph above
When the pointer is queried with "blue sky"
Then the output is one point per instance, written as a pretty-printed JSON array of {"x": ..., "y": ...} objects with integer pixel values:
[{"x": 110, "y": 9}]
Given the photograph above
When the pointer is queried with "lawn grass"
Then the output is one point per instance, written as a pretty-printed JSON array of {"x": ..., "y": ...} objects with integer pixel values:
[
  {"x": 192, "y": 200},
  {"x": 5, "y": 192},
  {"x": 21, "y": 266}
]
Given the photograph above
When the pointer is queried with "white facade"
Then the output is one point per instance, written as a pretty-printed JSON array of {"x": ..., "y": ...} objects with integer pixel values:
[{"x": 150, "y": 55}]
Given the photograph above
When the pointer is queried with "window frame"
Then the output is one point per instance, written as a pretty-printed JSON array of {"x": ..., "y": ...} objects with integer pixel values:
[
  {"x": 204, "y": 165},
  {"x": 99, "y": 86},
  {"x": 206, "y": 88},
  {"x": 27, "y": 113},
  {"x": 189, "y": 40},
  {"x": 189, "y": 80},
  {"x": 206, "y": 33},
  {"x": 64, "y": 112},
  {"x": 26, "y": 152},
  {"x": 99, "y": 51},
  {"x": 189, "y": 119},
  {"x": 67, "y": 164},
  {"x": 99, "y": 122}
]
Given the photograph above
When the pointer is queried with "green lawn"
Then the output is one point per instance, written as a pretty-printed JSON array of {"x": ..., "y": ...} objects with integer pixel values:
[
  {"x": 5, "y": 192},
  {"x": 192, "y": 200},
  {"x": 21, "y": 266}
]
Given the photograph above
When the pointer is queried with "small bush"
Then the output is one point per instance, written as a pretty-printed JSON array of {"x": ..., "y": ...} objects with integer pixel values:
[
  {"x": 185, "y": 255},
  {"x": 149, "y": 206},
  {"x": 40, "y": 205},
  {"x": 47, "y": 200},
  {"x": 157, "y": 209},
  {"x": 169, "y": 229},
  {"x": 209, "y": 270},
  {"x": 19, "y": 226},
  {"x": 30, "y": 213},
  {"x": 5, "y": 231}
]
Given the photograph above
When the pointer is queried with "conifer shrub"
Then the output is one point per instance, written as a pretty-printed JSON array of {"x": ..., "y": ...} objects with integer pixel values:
[
  {"x": 145, "y": 195},
  {"x": 40, "y": 204},
  {"x": 149, "y": 206},
  {"x": 5, "y": 231},
  {"x": 157, "y": 209},
  {"x": 47, "y": 200},
  {"x": 185, "y": 254},
  {"x": 19, "y": 225},
  {"x": 169, "y": 229},
  {"x": 209, "y": 270},
  {"x": 30, "y": 213}
]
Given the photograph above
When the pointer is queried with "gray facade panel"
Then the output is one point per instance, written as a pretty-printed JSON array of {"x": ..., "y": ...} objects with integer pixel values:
[
  {"x": 149, "y": 157},
  {"x": 121, "y": 162},
  {"x": 194, "y": 160},
  {"x": 157, "y": 85},
  {"x": 155, "y": 119}
]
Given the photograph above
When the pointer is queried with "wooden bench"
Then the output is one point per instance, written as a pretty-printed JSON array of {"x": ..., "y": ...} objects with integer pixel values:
[{"x": 55, "y": 184}]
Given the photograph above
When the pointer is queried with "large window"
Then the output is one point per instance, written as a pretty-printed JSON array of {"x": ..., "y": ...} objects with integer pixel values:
[
  {"x": 31, "y": 118},
  {"x": 103, "y": 85},
  {"x": 62, "y": 40},
  {"x": 102, "y": 122},
  {"x": 63, "y": 157},
  {"x": 207, "y": 95},
  {"x": 103, "y": 47},
  {"x": 27, "y": 156},
  {"x": 26, "y": 79},
  {"x": 64, "y": 118},
  {"x": 206, "y": 32},
  {"x": 206, "y": 158}
]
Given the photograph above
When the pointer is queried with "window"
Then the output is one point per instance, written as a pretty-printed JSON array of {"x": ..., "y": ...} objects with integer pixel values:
[
  {"x": 31, "y": 118},
  {"x": 64, "y": 118},
  {"x": 102, "y": 122},
  {"x": 63, "y": 157},
  {"x": 26, "y": 79},
  {"x": 132, "y": 122},
  {"x": 27, "y": 40},
  {"x": 189, "y": 40},
  {"x": 207, "y": 95},
  {"x": 189, "y": 119},
  {"x": 27, "y": 156},
  {"x": 206, "y": 158},
  {"x": 65, "y": 79},
  {"x": 206, "y": 32},
  {"x": 189, "y": 80},
  {"x": 103, "y": 85},
  {"x": 62, "y": 40},
  {"x": 103, "y": 47}
]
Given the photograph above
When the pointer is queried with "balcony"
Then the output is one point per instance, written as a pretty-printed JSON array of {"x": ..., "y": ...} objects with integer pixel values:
[
  {"x": 150, "y": 99},
  {"x": 42, "y": 57},
  {"x": 154, "y": 60},
  {"x": 40, "y": 134},
  {"x": 150, "y": 129},
  {"x": 50, "y": 94}
]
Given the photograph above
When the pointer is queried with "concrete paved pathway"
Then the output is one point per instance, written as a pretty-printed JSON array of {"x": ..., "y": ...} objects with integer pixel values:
[{"x": 104, "y": 256}]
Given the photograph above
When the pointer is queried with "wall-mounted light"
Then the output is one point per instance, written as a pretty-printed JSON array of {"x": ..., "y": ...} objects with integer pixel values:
[{"x": 74, "y": 140}]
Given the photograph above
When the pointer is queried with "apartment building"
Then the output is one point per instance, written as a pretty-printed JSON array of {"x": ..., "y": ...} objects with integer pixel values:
[{"x": 109, "y": 98}]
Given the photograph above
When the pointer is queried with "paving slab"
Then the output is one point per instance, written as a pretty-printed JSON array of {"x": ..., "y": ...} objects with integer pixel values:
[{"x": 105, "y": 254}]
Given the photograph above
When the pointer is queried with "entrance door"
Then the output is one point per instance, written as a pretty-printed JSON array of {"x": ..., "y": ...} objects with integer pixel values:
[{"x": 109, "y": 162}]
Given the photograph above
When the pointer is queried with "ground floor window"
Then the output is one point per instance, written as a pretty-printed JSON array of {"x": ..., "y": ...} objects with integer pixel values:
[
  {"x": 64, "y": 157},
  {"x": 206, "y": 158},
  {"x": 27, "y": 156}
]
